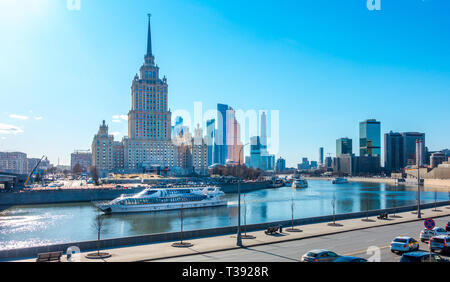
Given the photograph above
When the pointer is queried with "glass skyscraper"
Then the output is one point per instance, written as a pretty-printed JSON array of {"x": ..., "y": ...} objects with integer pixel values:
[
  {"x": 370, "y": 138},
  {"x": 344, "y": 146}
]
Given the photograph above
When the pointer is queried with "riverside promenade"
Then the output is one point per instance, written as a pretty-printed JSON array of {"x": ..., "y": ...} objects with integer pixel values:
[{"x": 158, "y": 251}]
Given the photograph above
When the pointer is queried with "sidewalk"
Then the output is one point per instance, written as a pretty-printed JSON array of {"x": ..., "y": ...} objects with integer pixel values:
[{"x": 227, "y": 242}]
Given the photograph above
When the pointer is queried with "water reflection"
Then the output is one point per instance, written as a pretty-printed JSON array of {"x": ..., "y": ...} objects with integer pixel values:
[{"x": 23, "y": 226}]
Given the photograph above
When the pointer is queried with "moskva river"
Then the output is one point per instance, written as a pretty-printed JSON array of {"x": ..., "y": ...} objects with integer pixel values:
[{"x": 26, "y": 226}]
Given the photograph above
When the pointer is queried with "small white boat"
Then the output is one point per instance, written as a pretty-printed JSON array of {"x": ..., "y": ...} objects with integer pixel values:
[
  {"x": 300, "y": 183},
  {"x": 339, "y": 180}
]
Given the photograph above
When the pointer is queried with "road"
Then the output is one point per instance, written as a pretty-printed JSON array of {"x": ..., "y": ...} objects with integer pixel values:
[{"x": 353, "y": 243}]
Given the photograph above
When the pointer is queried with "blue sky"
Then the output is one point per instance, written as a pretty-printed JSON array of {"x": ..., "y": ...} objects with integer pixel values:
[{"x": 325, "y": 65}]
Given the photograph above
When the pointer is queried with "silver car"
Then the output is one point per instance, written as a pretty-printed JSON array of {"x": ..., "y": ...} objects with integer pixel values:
[
  {"x": 319, "y": 255},
  {"x": 426, "y": 234}
]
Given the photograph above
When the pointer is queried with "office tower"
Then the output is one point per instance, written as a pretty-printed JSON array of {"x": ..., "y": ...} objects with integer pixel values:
[
  {"x": 179, "y": 130},
  {"x": 221, "y": 150},
  {"x": 210, "y": 136},
  {"x": 344, "y": 146},
  {"x": 370, "y": 138},
  {"x": 234, "y": 144},
  {"x": 321, "y": 156},
  {"x": 393, "y": 152},
  {"x": 281, "y": 164},
  {"x": 419, "y": 153},
  {"x": 409, "y": 147},
  {"x": 255, "y": 152},
  {"x": 263, "y": 133}
]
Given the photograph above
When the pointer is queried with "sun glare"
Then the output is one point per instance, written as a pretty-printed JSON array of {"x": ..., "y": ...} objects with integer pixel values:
[{"x": 13, "y": 12}]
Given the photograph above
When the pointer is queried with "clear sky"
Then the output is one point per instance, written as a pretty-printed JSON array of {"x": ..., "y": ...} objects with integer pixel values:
[{"x": 325, "y": 65}]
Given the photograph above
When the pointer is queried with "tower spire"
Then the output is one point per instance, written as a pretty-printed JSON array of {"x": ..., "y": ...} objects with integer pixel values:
[{"x": 149, "y": 38}]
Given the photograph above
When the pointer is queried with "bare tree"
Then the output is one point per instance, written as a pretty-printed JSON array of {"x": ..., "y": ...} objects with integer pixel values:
[
  {"x": 333, "y": 204},
  {"x": 394, "y": 203},
  {"x": 77, "y": 170},
  {"x": 292, "y": 228},
  {"x": 94, "y": 175},
  {"x": 98, "y": 225},
  {"x": 292, "y": 213}
]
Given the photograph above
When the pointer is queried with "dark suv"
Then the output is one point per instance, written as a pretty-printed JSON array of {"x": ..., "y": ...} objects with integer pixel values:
[
  {"x": 440, "y": 243},
  {"x": 421, "y": 256}
]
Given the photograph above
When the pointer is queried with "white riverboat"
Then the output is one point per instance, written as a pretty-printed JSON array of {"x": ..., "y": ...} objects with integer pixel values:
[
  {"x": 339, "y": 180},
  {"x": 300, "y": 183},
  {"x": 165, "y": 199}
]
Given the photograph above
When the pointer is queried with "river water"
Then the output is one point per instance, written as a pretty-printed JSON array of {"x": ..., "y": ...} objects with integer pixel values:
[{"x": 26, "y": 226}]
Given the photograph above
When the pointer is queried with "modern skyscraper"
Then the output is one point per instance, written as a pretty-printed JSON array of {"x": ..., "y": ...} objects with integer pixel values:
[
  {"x": 281, "y": 164},
  {"x": 255, "y": 152},
  {"x": 321, "y": 156},
  {"x": 370, "y": 138},
  {"x": 210, "y": 139},
  {"x": 221, "y": 150},
  {"x": 344, "y": 146},
  {"x": 409, "y": 147},
  {"x": 393, "y": 152},
  {"x": 263, "y": 132}
]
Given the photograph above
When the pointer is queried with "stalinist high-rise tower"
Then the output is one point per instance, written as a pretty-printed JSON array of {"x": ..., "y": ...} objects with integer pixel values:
[
  {"x": 149, "y": 118},
  {"x": 149, "y": 142}
]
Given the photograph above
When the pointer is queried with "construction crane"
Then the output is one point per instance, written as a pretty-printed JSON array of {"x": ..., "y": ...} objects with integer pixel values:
[{"x": 32, "y": 171}]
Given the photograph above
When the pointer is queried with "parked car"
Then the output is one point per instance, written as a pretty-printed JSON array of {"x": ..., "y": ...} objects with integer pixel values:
[
  {"x": 349, "y": 259},
  {"x": 447, "y": 227},
  {"x": 319, "y": 255},
  {"x": 421, "y": 256},
  {"x": 426, "y": 234},
  {"x": 440, "y": 243},
  {"x": 404, "y": 244}
]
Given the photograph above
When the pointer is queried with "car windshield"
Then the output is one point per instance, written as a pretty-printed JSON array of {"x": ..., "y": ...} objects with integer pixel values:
[
  {"x": 400, "y": 240},
  {"x": 440, "y": 230},
  {"x": 310, "y": 254}
]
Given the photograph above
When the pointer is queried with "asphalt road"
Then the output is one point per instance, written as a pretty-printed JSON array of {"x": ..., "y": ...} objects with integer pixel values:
[{"x": 353, "y": 243}]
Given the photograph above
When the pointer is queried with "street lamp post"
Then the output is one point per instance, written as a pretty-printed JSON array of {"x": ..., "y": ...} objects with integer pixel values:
[
  {"x": 418, "y": 192},
  {"x": 239, "y": 236}
]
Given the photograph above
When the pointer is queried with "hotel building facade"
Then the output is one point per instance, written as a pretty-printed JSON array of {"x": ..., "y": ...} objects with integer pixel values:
[{"x": 149, "y": 143}]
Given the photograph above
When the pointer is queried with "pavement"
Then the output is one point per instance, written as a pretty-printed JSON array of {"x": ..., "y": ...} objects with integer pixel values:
[
  {"x": 366, "y": 243},
  {"x": 352, "y": 237}
]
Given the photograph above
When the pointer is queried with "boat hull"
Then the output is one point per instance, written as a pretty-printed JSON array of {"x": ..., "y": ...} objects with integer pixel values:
[{"x": 107, "y": 208}]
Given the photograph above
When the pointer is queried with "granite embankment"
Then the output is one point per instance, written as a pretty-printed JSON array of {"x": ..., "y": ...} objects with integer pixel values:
[
  {"x": 440, "y": 184},
  {"x": 56, "y": 196}
]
